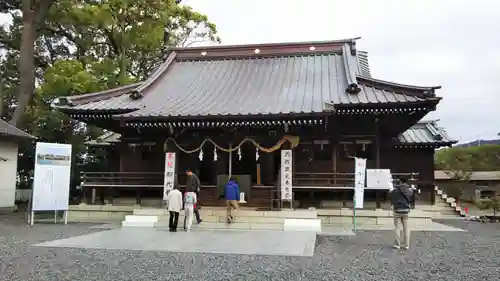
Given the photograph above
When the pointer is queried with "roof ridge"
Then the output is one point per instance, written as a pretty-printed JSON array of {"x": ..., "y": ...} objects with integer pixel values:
[
  {"x": 160, "y": 71},
  {"x": 92, "y": 97},
  {"x": 399, "y": 85},
  {"x": 260, "y": 45},
  {"x": 347, "y": 56}
]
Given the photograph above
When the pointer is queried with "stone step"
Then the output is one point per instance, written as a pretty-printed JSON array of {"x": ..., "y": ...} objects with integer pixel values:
[
  {"x": 223, "y": 219},
  {"x": 135, "y": 218},
  {"x": 313, "y": 225},
  {"x": 205, "y": 212},
  {"x": 233, "y": 226},
  {"x": 138, "y": 224}
]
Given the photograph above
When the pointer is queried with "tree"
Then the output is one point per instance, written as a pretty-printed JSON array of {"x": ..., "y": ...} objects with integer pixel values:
[
  {"x": 33, "y": 13},
  {"x": 459, "y": 162},
  {"x": 123, "y": 39},
  {"x": 86, "y": 46},
  {"x": 489, "y": 204},
  {"x": 455, "y": 161}
]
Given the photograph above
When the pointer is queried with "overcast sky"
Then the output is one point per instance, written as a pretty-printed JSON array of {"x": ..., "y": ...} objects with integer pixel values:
[{"x": 454, "y": 44}]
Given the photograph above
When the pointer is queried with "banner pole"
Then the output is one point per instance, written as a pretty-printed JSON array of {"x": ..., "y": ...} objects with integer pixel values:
[
  {"x": 55, "y": 216},
  {"x": 66, "y": 217},
  {"x": 354, "y": 213},
  {"x": 32, "y": 217}
]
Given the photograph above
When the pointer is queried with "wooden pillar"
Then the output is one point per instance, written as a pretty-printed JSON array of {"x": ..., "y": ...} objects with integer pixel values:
[{"x": 378, "y": 194}]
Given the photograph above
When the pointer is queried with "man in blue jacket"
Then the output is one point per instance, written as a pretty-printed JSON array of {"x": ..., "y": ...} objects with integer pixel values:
[{"x": 232, "y": 196}]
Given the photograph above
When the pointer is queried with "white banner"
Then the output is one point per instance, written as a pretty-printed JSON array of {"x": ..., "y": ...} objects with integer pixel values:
[
  {"x": 286, "y": 175},
  {"x": 52, "y": 176},
  {"x": 378, "y": 179},
  {"x": 169, "y": 180},
  {"x": 359, "y": 181}
]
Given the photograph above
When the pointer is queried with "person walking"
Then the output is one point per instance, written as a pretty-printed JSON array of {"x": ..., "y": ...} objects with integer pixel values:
[
  {"x": 174, "y": 206},
  {"x": 232, "y": 196},
  {"x": 400, "y": 196},
  {"x": 193, "y": 185},
  {"x": 189, "y": 207}
]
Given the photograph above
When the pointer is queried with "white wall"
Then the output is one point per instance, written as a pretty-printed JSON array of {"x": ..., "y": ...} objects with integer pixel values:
[{"x": 8, "y": 174}]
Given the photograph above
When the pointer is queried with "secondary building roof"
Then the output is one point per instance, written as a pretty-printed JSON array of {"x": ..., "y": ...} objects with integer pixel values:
[
  {"x": 7, "y": 130},
  {"x": 259, "y": 79},
  {"x": 425, "y": 133}
]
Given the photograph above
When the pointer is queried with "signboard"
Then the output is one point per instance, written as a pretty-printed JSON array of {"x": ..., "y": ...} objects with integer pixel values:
[
  {"x": 169, "y": 180},
  {"x": 52, "y": 177},
  {"x": 378, "y": 179},
  {"x": 359, "y": 181},
  {"x": 286, "y": 175}
]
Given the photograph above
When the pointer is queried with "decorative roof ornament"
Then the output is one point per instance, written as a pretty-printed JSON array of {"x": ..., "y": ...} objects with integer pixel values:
[
  {"x": 200, "y": 156},
  {"x": 257, "y": 154},
  {"x": 215, "y": 155},
  {"x": 239, "y": 153}
]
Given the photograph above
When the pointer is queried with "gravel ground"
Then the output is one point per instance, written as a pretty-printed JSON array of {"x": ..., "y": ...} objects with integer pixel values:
[{"x": 471, "y": 255}]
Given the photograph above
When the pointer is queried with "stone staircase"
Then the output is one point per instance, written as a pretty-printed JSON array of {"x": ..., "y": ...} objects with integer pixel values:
[
  {"x": 445, "y": 207},
  {"x": 245, "y": 219}
]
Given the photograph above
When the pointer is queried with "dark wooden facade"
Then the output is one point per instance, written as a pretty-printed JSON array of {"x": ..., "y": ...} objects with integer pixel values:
[{"x": 320, "y": 92}]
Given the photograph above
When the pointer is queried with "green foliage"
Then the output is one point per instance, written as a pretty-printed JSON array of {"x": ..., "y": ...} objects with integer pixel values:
[
  {"x": 86, "y": 46},
  {"x": 459, "y": 162},
  {"x": 489, "y": 204}
]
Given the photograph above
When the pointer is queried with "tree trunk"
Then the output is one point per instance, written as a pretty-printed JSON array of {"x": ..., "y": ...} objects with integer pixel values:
[
  {"x": 26, "y": 63},
  {"x": 32, "y": 16},
  {"x": 1, "y": 93}
]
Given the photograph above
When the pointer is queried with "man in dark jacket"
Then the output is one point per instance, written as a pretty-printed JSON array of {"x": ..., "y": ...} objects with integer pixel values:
[
  {"x": 193, "y": 185},
  {"x": 401, "y": 195}
]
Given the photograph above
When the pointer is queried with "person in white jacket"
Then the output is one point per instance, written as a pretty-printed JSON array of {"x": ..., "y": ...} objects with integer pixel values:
[
  {"x": 190, "y": 200},
  {"x": 174, "y": 206}
]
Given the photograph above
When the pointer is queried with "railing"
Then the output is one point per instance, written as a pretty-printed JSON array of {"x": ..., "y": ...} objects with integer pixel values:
[
  {"x": 335, "y": 180},
  {"x": 108, "y": 184},
  {"x": 122, "y": 179}
]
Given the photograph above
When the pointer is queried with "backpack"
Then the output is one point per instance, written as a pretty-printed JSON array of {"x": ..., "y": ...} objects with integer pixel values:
[{"x": 189, "y": 198}]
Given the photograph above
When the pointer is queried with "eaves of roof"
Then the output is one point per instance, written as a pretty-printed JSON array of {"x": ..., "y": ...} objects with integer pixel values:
[{"x": 9, "y": 130}]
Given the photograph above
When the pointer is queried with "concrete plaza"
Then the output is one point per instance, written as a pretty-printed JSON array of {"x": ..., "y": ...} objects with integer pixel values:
[{"x": 70, "y": 252}]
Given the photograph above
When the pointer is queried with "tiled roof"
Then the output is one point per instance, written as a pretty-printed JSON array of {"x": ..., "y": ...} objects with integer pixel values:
[
  {"x": 8, "y": 130},
  {"x": 238, "y": 80},
  {"x": 425, "y": 132},
  {"x": 105, "y": 139}
]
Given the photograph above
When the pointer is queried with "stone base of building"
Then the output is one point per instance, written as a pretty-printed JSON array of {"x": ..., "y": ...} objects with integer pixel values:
[
  {"x": 7, "y": 210},
  {"x": 247, "y": 218}
]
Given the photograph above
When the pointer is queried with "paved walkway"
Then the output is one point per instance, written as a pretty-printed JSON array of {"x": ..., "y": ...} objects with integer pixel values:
[{"x": 215, "y": 242}]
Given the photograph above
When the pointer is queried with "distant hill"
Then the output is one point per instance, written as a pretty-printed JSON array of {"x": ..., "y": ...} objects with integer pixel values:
[{"x": 478, "y": 142}]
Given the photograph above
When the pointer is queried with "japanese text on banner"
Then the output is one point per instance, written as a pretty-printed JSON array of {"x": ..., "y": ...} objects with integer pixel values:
[
  {"x": 169, "y": 180},
  {"x": 286, "y": 175}
]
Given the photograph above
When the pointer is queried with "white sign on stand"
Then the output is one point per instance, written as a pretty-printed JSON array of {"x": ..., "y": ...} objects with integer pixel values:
[
  {"x": 52, "y": 179},
  {"x": 359, "y": 181},
  {"x": 286, "y": 175},
  {"x": 169, "y": 180},
  {"x": 378, "y": 179}
]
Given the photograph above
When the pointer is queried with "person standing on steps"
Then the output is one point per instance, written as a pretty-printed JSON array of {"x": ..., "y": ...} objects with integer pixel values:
[
  {"x": 400, "y": 196},
  {"x": 174, "y": 206},
  {"x": 193, "y": 185},
  {"x": 232, "y": 195},
  {"x": 189, "y": 207}
]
